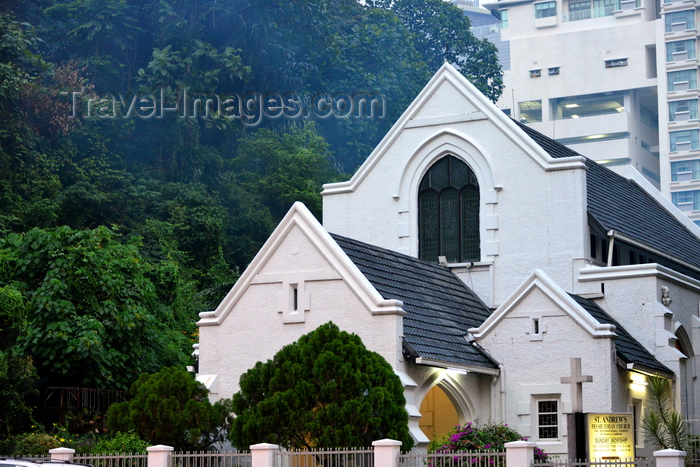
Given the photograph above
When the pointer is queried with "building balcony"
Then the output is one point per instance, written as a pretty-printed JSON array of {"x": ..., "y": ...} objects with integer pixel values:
[{"x": 599, "y": 124}]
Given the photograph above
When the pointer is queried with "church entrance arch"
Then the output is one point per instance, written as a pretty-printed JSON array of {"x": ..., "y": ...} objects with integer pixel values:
[
  {"x": 686, "y": 380},
  {"x": 438, "y": 414},
  {"x": 443, "y": 407}
]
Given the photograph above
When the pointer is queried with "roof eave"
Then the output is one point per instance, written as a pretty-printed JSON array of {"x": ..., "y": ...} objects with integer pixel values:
[{"x": 457, "y": 366}]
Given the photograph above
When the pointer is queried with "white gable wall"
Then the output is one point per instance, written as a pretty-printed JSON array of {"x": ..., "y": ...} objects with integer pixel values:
[
  {"x": 261, "y": 319},
  {"x": 533, "y": 364},
  {"x": 531, "y": 212}
]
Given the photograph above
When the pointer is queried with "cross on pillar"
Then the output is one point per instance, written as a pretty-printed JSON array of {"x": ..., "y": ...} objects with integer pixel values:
[{"x": 576, "y": 380}]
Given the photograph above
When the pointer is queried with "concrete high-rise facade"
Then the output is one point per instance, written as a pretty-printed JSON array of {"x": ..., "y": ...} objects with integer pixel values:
[{"x": 615, "y": 80}]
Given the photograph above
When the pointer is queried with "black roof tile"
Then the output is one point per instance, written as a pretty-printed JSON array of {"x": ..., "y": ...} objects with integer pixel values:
[
  {"x": 439, "y": 307},
  {"x": 629, "y": 349},
  {"x": 620, "y": 204}
]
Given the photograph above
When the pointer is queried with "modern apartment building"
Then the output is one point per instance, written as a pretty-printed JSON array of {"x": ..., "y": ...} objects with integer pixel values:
[{"x": 616, "y": 80}]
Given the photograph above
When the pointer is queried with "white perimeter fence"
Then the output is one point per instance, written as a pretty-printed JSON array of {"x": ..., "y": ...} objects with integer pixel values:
[{"x": 384, "y": 453}]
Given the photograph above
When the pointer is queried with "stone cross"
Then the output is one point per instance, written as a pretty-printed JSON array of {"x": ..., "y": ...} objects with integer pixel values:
[{"x": 576, "y": 380}]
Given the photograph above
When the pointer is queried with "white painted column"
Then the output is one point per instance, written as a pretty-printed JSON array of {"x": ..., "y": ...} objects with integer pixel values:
[
  {"x": 263, "y": 454},
  {"x": 386, "y": 452},
  {"x": 669, "y": 458},
  {"x": 519, "y": 453},
  {"x": 63, "y": 454},
  {"x": 159, "y": 455}
]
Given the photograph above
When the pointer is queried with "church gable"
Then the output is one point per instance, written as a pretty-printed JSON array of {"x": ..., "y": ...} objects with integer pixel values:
[
  {"x": 299, "y": 280},
  {"x": 540, "y": 293},
  {"x": 298, "y": 252},
  {"x": 442, "y": 102}
]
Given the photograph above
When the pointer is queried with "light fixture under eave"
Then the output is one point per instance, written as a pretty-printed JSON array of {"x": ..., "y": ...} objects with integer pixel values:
[
  {"x": 457, "y": 370},
  {"x": 571, "y": 106}
]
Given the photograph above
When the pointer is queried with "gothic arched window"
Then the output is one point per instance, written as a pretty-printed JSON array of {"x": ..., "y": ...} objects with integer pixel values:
[{"x": 448, "y": 212}]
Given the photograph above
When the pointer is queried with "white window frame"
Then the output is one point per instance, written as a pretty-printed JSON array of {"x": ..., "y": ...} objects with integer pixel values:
[
  {"x": 549, "y": 9},
  {"x": 537, "y": 399}
]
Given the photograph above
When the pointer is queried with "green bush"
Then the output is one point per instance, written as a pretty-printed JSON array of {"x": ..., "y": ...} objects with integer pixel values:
[
  {"x": 121, "y": 442},
  {"x": 28, "y": 444},
  {"x": 172, "y": 408},
  {"x": 323, "y": 391}
]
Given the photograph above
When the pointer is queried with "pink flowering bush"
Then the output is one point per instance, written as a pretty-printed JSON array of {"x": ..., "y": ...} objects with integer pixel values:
[{"x": 471, "y": 438}]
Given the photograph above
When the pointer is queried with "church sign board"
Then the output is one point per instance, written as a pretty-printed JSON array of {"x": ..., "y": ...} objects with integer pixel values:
[{"x": 610, "y": 436}]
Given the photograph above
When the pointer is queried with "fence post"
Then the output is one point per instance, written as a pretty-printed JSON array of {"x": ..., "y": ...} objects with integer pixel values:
[
  {"x": 669, "y": 458},
  {"x": 263, "y": 454},
  {"x": 159, "y": 455},
  {"x": 63, "y": 454},
  {"x": 520, "y": 453},
  {"x": 386, "y": 452}
]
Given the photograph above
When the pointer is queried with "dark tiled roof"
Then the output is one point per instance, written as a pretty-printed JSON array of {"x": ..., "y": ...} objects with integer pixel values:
[
  {"x": 628, "y": 348},
  {"x": 440, "y": 307},
  {"x": 620, "y": 204}
]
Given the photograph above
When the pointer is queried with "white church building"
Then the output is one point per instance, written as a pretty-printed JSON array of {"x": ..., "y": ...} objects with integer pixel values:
[{"x": 480, "y": 257}]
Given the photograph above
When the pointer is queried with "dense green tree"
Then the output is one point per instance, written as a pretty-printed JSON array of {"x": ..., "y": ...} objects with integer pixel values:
[
  {"x": 442, "y": 34},
  {"x": 284, "y": 168},
  {"x": 93, "y": 318},
  {"x": 17, "y": 374},
  {"x": 325, "y": 390},
  {"x": 171, "y": 408}
]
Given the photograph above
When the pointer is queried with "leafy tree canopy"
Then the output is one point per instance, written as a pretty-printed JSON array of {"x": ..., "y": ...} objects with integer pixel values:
[
  {"x": 171, "y": 408},
  {"x": 325, "y": 390},
  {"x": 17, "y": 374},
  {"x": 90, "y": 306},
  {"x": 442, "y": 33}
]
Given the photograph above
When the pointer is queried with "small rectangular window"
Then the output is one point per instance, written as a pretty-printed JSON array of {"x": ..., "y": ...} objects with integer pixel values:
[
  {"x": 504, "y": 18},
  {"x": 553, "y": 71},
  {"x": 530, "y": 111},
  {"x": 680, "y": 21},
  {"x": 535, "y": 73},
  {"x": 548, "y": 419},
  {"x": 682, "y": 80},
  {"x": 680, "y": 50},
  {"x": 545, "y": 9},
  {"x": 619, "y": 62},
  {"x": 686, "y": 200},
  {"x": 684, "y": 140},
  {"x": 579, "y": 10},
  {"x": 604, "y": 8},
  {"x": 683, "y": 110},
  {"x": 685, "y": 171}
]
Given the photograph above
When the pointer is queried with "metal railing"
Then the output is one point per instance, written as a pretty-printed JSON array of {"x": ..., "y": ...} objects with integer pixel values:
[
  {"x": 211, "y": 459},
  {"x": 112, "y": 460},
  {"x": 454, "y": 459},
  {"x": 326, "y": 458}
]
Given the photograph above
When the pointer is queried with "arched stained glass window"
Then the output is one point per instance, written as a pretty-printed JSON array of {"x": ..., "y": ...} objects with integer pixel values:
[{"x": 448, "y": 212}]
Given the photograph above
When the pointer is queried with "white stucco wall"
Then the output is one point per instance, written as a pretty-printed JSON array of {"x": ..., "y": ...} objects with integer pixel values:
[
  {"x": 254, "y": 329},
  {"x": 534, "y": 365},
  {"x": 530, "y": 215}
]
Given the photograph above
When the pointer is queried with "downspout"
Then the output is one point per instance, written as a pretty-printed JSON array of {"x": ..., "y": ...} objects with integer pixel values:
[
  {"x": 502, "y": 375},
  {"x": 494, "y": 398},
  {"x": 611, "y": 234}
]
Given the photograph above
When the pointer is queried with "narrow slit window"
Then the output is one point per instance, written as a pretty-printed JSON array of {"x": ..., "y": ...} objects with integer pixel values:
[{"x": 536, "y": 325}]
